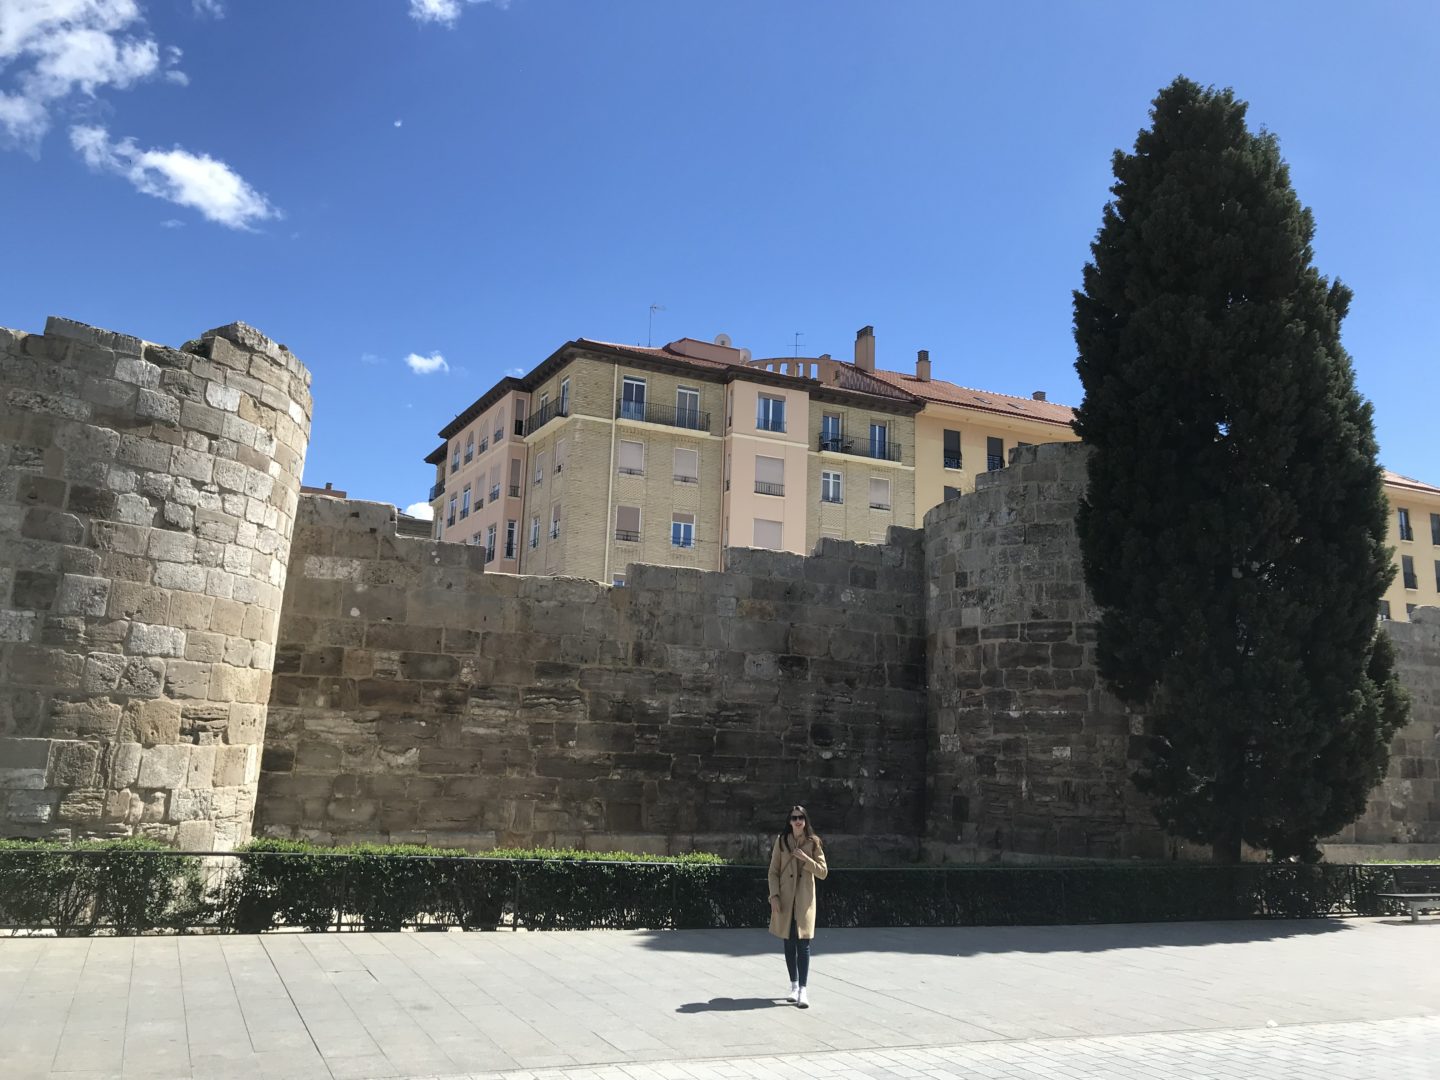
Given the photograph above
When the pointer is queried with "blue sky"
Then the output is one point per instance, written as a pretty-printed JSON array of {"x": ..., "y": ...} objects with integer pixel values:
[{"x": 374, "y": 180}]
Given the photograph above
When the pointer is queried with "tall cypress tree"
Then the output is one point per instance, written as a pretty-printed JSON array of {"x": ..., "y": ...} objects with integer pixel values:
[{"x": 1234, "y": 527}]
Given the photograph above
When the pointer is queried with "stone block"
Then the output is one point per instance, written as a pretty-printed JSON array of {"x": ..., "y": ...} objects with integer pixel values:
[
  {"x": 34, "y": 589},
  {"x": 72, "y": 764},
  {"x": 102, "y": 672},
  {"x": 201, "y": 769},
  {"x": 134, "y": 510},
  {"x": 195, "y": 836},
  {"x": 150, "y": 640},
  {"x": 187, "y": 679},
  {"x": 120, "y": 765},
  {"x": 31, "y": 807},
  {"x": 143, "y": 677},
  {"x": 157, "y": 406},
  {"x": 24, "y": 763},
  {"x": 83, "y": 806},
  {"x": 56, "y": 526},
  {"x": 154, "y": 722},
  {"x": 84, "y": 719},
  {"x": 164, "y": 767},
  {"x": 230, "y": 769},
  {"x": 81, "y": 595}
]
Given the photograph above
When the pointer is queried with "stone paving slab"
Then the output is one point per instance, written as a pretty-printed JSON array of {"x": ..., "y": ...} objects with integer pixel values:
[{"x": 335, "y": 1006}]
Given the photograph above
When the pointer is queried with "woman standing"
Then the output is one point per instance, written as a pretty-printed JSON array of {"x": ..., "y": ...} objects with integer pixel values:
[{"x": 796, "y": 860}]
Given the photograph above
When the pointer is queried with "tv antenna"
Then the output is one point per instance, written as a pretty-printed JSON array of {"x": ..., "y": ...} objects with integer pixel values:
[
  {"x": 650, "y": 329},
  {"x": 798, "y": 336}
]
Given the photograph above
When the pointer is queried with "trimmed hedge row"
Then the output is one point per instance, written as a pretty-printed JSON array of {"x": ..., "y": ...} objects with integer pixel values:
[{"x": 137, "y": 887}]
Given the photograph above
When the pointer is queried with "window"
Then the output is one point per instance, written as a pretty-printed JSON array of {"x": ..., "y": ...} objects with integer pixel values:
[
  {"x": 465, "y": 502},
  {"x": 450, "y": 517},
  {"x": 831, "y": 431},
  {"x": 520, "y": 416},
  {"x": 485, "y": 444},
  {"x": 514, "y": 477},
  {"x": 682, "y": 530},
  {"x": 687, "y": 466},
  {"x": 495, "y": 481},
  {"x": 534, "y": 532},
  {"x": 951, "y": 493},
  {"x": 952, "y": 458},
  {"x": 1437, "y": 574},
  {"x": 1435, "y": 529},
  {"x": 1406, "y": 533},
  {"x": 564, "y": 397},
  {"x": 555, "y": 522},
  {"x": 455, "y": 458},
  {"x": 687, "y": 408},
  {"x": 511, "y": 535},
  {"x": 767, "y": 534},
  {"x": 627, "y": 524},
  {"x": 771, "y": 416},
  {"x": 879, "y": 440},
  {"x": 1384, "y": 610},
  {"x": 500, "y": 427},
  {"x": 561, "y": 453},
  {"x": 994, "y": 453},
  {"x": 770, "y": 476},
  {"x": 469, "y": 448},
  {"x": 879, "y": 493},
  {"x": 544, "y": 403},
  {"x": 832, "y": 488},
  {"x": 439, "y": 528},
  {"x": 618, "y": 581},
  {"x": 1409, "y": 610},
  {"x": 1407, "y": 571},
  {"x": 539, "y": 467},
  {"x": 630, "y": 458},
  {"x": 632, "y": 398},
  {"x": 490, "y": 544}
]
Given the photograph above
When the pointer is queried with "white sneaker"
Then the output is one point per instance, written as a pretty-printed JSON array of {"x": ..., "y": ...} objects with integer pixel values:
[
  {"x": 794, "y": 991},
  {"x": 804, "y": 999}
]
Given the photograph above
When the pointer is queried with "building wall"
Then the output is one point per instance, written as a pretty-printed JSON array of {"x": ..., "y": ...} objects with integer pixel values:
[
  {"x": 744, "y": 443},
  {"x": 418, "y": 699},
  {"x": 147, "y": 497},
  {"x": 854, "y": 518},
  {"x": 931, "y": 476},
  {"x": 1423, "y": 549}
]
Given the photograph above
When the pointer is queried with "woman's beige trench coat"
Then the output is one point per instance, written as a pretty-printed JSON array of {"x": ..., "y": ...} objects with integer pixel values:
[{"x": 793, "y": 882}]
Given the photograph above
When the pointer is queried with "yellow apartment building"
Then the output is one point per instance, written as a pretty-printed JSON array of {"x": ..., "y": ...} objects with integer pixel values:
[
  {"x": 606, "y": 455},
  {"x": 1415, "y": 536}
]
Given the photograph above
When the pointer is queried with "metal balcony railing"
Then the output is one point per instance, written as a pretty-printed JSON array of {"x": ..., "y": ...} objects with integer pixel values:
[
  {"x": 627, "y": 536},
  {"x": 994, "y": 461},
  {"x": 542, "y": 416},
  {"x": 631, "y": 470},
  {"x": 1412, "y": 581},
  {"x": 831, "y": 498},
  {"x": 762, "y": 488},
  {"x": 879, "y": 506},
  {"x": 881, "y": 451},
  {"x": 681, "y": 478},
  {"x": 669, "y": 415},
  {"x": 952, "y": 461},
  {"x": 515, "y": 490},
  {"x": 770, "y": 423},
  {"x": 437, "y": 489}
]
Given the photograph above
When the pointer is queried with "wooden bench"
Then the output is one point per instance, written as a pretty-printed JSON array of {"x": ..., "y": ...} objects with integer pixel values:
[{"x": 1416, "y": 887}]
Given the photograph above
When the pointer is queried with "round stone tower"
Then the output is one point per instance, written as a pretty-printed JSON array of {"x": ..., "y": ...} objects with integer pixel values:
[{"x": 147, "y": 498}]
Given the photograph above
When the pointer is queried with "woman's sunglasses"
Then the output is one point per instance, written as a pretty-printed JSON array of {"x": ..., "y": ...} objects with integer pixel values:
[{"x": 797, "y": 817}]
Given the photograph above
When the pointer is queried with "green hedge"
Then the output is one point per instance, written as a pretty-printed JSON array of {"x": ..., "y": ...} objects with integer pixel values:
[{"x": 137, "y": 887}]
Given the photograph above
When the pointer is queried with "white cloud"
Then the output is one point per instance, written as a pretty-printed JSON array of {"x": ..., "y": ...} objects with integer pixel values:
[
  {"x": 371, "y": 358},
  {"x": 51, "y": 49},
  {"x": 212, "y": 8},
  {"x": 445, "y": 12},
  {"x": 172, "y": 223},
  {"x": 515, "y": 372},
  {"x": 427, "y": 365},
  {"x": 420, "y": 510},
  {"x": 178, "y": 176}
]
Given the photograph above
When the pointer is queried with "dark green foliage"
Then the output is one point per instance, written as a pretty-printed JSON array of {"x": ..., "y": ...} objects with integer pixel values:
[{"x": 1234, "y": 528}]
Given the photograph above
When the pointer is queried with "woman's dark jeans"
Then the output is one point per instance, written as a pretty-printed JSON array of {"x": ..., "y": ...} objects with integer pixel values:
[{"x": 797, "y": 955}]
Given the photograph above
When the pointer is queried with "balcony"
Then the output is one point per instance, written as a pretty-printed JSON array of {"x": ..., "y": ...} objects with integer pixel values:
[
  {"x": 880, "y": 451},
  {"x": 681, "y": 478},
  {"x": 515, "y": 490},
  {"x": 994, "y": 461},
  {"x": 631, "y": 470},
  {"x": 770, "y": 423},
  {"x": 762, "y": 488},
  {"x": 437, "y": 489},
  {"x": 879, "y": 506},
  {"x": 1412, "y": 581},
  {"x": 626, "y": 536},
  {"x": 542, "y": 416},
  {"x": 952, "y": 461},
  {"x": 668, "y": 415}
]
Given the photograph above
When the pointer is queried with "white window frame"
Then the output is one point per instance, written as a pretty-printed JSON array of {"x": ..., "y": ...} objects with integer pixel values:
[
  {"x": 682, "y": 533},
  {"x": 835, "y": 480}
]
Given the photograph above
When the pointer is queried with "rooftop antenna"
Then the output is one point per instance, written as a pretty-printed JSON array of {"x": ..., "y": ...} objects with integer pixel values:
[
  {"x": 650, "y": 329},
  {"x": 798, "y": 336}
]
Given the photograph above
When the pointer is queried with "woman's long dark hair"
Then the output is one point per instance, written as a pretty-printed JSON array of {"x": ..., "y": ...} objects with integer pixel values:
[{"x": 810, "y": 833}]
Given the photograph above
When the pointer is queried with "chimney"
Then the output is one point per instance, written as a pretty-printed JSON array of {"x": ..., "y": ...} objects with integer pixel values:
[
  {"x": 922, "y": 365},
  {"x": 865, "y": 348},
  {"x": 1038, "y": 395}
]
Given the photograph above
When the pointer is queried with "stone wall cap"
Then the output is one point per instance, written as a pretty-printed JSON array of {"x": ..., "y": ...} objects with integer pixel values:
[
  {"x": 247, "y": 337},
  {"x": 59, "y": 326}
]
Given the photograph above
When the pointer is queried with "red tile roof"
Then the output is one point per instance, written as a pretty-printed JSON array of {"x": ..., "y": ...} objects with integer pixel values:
[
  {"x": 948, "y": 393},
  {"x": 1409, "y": 483}
]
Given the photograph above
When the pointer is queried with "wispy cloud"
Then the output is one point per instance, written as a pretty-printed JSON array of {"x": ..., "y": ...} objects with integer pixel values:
[
  {"x": 172, "y": 223},
  {"x": 426, "y": 365},
  {"x": 515, "y": 372},
  {"x": 398, "y": 123},
  {"x": 371, "y": 358},
  {"x": 420, "y": 510},
  {"x": 52, "y": 49},
  {"x": 195, "y": 180},
  {"x": 445, "y": 12},
  {"x": 213, "y": 9}
]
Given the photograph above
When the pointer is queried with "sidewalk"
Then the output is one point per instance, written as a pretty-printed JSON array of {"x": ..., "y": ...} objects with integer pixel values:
[{"x": 1353, "y": 998}]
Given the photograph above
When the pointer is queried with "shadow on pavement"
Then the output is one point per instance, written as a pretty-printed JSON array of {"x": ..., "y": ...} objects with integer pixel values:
[
  {"x": 722, "y": 1004},
  {"x": 977, "y": 940}
]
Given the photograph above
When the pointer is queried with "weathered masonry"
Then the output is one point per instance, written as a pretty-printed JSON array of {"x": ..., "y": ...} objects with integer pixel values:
[{"x": 169, "y": 605}]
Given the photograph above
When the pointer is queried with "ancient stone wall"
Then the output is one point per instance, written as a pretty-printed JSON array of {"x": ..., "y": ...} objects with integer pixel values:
[
  {"x": 1027, "y": 753},
  {"x": 147, "y": 496},
  {"x": 418, "y": 699}
]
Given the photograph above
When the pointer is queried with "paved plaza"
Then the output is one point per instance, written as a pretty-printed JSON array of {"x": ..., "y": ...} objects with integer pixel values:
[{"x": 1341, "y": 998}]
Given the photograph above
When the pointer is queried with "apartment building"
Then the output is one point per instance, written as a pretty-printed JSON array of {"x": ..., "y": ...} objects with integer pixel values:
[
  {"x": 606, "y": 455},
  {"x": 1415, "y": 536}
]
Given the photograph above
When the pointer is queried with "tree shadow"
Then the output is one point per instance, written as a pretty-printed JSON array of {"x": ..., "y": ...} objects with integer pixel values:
[
  {"x": 724, "y": 1004},
  {"x": 960, "y": 941}
]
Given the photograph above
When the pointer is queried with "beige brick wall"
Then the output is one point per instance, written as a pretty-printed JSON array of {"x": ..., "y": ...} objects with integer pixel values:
[{"x": 853, "y": 519}]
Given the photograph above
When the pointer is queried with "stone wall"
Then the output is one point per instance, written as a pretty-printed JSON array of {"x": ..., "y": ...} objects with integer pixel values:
[
  {"x": 418, "y": 699},
  {"x": 1027, "y": 753},
  {"x": 1405, "y": 808},
  {"x": 147, "y": 496}
]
